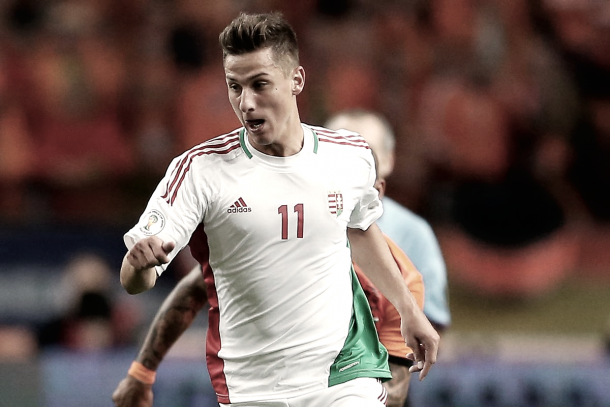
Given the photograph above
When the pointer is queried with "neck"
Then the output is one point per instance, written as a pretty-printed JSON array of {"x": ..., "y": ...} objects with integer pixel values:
[
  {"x": 288, "y": 144},
  {"x": 294, "y": 144}
]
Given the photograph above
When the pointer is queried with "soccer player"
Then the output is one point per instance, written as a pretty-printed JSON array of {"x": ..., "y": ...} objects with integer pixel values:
[{"x": 283, "y": 208}]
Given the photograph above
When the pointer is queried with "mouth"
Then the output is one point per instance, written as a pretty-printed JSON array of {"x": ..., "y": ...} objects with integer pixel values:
[{"x": 255, "y": 124}]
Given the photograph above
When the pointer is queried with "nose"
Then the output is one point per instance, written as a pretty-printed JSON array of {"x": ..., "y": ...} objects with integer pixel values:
[{"x": 246, "y": 101}]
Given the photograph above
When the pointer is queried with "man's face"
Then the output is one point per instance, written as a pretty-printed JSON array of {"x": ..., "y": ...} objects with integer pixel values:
[{"x": 263, "y": 96}]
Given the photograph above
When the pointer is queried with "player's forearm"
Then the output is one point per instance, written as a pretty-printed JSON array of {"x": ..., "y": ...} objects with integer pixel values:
[
  {"x": 398, "y": 387},
  {"x": 176, "y": 314},
  {"x": 137, "y": 281},
  {"x": 372, "y": 254}
]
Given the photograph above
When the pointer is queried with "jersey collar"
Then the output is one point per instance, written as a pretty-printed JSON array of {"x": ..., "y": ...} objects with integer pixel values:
[{"x": 246, "y": 145}]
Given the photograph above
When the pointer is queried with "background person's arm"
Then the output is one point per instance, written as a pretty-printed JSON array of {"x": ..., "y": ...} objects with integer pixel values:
[
  {"x": 175, "y": 315},
  {"x": 398, "y": 387}
]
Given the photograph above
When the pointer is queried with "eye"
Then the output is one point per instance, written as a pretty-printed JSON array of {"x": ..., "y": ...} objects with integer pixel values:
[
  {"x": 234, "y": 87},
  {"x": 260, "y": 84}
]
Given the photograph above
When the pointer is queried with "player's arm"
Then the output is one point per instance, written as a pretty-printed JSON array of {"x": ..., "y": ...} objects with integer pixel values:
[
  {"x": 371, "y": 252},
  {"x": 389, "y": 330},
  {"x": 138, "y": 272},
  {"x": 175, "y": 315}
]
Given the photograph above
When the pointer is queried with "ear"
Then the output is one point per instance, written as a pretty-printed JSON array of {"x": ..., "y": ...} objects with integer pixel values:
[
  {"x": 380, "y": 187},
  {"x": 298, "y": 80},
  {"x": 390, "y": 159}
]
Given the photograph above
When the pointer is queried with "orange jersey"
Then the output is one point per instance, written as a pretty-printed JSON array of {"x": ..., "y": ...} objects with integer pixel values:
[{"x": 386, "y": 316}]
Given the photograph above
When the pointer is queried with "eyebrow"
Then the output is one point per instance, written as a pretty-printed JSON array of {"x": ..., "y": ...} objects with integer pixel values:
[{"x": 250, "y": 78}]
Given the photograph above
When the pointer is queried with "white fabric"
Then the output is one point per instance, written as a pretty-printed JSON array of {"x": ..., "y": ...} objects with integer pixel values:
[{"x": 360, "y": 392}]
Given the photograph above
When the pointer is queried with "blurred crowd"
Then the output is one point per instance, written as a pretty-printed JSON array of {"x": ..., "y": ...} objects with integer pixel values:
[
  {"x": 501, "y": 107},
  {"x": 96, "y": 96}
]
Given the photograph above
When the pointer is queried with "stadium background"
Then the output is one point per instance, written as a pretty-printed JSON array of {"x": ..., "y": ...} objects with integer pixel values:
[{"x": 502, "y": 115}]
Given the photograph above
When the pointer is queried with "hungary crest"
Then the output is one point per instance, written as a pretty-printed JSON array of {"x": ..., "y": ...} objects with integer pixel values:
[{"x": 335, "y": 203}]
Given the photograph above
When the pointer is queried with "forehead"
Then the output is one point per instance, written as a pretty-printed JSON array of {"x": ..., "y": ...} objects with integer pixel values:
[{"x": 260, "y": 62}]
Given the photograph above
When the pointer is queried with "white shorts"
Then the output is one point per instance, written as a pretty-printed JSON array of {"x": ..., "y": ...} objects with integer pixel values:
[{"x": 361, "y": 392}]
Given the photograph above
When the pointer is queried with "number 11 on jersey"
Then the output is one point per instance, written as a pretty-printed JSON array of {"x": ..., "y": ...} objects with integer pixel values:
[{"x": 283, "y": 211}]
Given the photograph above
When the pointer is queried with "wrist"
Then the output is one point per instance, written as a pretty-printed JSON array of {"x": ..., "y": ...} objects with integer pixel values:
[
  {"x": 407, "y": 308},
  {"x": 141, "y": 373}
]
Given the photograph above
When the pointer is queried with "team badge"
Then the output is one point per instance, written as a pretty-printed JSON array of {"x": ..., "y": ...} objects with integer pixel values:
[
  {"x": 335, "y": 203},
  {"x": 155, "y": 222}
]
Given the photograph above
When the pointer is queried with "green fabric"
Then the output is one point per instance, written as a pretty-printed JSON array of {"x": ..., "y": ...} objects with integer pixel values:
[{"x": 362, "y": 354}]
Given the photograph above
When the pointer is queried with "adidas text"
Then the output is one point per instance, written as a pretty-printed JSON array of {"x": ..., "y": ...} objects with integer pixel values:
[{"x": 235, "y": 210}]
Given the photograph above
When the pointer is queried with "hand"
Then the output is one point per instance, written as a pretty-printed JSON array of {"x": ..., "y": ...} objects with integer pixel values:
[
  {"x": 149, "y": 252},
  {"x": 417, "y": 366},
  {"x": 132, "y": 393},
  {"x": 424, "y": 340}
]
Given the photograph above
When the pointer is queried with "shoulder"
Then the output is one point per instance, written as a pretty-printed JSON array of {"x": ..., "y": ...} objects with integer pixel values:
[
  {"x": 221, "y": 148},
  {"x": 201, "y": 162},
  {"x": 225, "y": 146},
  {"x": 340, "y": 137}
]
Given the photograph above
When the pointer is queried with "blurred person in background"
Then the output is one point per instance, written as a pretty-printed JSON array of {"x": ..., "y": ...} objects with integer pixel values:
[{"x": 92, "y": 318}]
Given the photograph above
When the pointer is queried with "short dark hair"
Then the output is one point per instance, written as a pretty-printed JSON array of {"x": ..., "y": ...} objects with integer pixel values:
[{"x": 253, "y": 32}]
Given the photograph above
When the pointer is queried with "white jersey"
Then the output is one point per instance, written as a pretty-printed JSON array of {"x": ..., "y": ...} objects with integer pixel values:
[{"x": 280, "y": 284}]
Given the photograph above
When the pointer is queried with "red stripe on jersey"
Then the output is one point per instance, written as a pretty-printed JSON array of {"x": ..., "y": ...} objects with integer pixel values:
[
  {"x": 243, "y": 203},
  {"x": 228, "y": 139},
  {"x": 331, "y": 136},
  {"x": 343, "y": 141},
  {"x": 200, "y": 251},
  {"x": 383, "y": 397},
  {"x": 335, "y": 133},
  {"x": 188, "y": 167},
  {"x": 209, "y": 147}
]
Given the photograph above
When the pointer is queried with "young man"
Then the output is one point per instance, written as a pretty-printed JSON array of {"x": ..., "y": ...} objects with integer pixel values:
[{"x": 275, "y": 203}]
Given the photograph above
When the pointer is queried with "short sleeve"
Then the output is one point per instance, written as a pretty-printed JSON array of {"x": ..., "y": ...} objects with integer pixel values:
[
  {"x": 172, "y": 213},
  {"x": 369, "y": 207}
]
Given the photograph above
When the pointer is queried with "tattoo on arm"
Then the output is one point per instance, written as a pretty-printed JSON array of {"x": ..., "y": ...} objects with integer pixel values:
[{"x": 173, "y": 318}]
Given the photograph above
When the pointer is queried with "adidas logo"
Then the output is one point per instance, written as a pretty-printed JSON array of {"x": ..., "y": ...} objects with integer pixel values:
[{"x": 239, "y": 206}]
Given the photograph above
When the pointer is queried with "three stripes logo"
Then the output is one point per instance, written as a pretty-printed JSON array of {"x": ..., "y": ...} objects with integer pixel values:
[{"x": 239, "y": 206}]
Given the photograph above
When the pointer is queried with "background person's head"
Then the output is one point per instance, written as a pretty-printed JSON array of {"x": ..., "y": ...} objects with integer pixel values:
[{"x": 375, "y": 129}]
